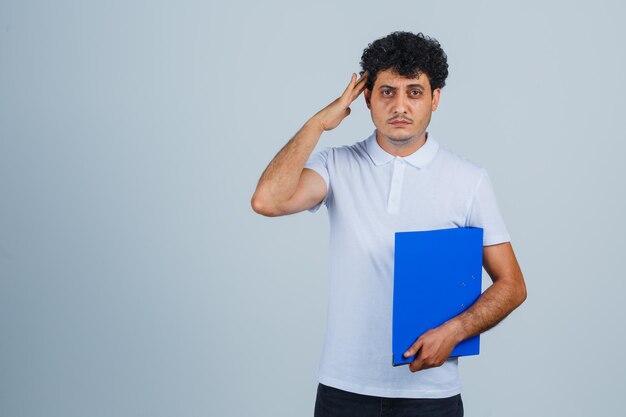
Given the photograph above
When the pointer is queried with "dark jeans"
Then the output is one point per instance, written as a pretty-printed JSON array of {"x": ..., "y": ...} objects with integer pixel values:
[{"x": 333, "y": 402}]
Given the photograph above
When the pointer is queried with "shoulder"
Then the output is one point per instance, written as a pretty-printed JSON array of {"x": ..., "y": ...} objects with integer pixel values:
[
  {"x": 355, "y": 151},
  {"x": 458, "y": 165},
  {"x": 458, "y": 172}
]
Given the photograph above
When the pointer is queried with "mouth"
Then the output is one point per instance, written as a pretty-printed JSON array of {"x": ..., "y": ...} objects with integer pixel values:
[{"x": 400, "y": 123}]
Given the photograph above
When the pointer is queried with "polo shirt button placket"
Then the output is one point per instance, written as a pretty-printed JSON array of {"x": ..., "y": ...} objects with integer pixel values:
[{"x": 393, "y": 204}]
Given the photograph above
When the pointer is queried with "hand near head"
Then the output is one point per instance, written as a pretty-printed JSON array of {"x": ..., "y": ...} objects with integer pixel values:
[{"x": 331, "y": 116}]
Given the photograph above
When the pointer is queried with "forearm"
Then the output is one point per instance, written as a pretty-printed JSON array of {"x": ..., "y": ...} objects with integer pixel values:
[
  {"x": 506, "y": 293},
  {"x": 280, "y": 179},
  {"x": 497, "y": 302}
]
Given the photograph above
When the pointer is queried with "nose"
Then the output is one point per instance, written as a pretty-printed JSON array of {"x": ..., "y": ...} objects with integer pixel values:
[{"x": 400, "y": 104}]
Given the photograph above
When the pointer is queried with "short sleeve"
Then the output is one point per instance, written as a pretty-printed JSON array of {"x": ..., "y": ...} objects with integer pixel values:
[
  {"x": 318, "y": 162},
  {"x": 484, "y": 212}
]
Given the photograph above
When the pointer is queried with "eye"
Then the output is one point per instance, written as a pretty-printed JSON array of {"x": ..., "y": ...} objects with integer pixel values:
[
  {"x": 387, "y": 93},
  {"x": 415, "y": 92}
]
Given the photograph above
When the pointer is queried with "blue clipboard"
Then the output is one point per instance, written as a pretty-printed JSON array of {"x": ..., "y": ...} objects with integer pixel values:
[{"x": 437, "y": 275}]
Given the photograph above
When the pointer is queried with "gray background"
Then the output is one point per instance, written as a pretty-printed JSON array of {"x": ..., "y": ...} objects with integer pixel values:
[{"x": 135, "y": 280}]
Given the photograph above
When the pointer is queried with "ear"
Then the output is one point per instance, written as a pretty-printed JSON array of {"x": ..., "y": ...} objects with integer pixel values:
[
  {"x": 367, "y": 94},
  {"x": 435, "y": 100}
]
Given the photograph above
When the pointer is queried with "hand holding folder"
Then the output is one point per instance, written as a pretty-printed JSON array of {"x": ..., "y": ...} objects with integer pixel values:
[{"x": 437, "y": 275}]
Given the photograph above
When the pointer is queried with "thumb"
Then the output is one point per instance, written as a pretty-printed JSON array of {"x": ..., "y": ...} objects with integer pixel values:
[{"x": 348, "y": 111}]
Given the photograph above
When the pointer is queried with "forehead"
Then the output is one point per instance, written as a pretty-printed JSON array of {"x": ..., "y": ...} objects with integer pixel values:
[{"x": 392, "y": 78}]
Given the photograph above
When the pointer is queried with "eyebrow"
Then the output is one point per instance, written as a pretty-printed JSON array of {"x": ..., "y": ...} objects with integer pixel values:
[{"x": 408, "y": 86}]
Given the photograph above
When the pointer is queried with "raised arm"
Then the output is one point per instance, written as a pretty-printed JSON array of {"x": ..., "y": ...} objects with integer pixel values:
[{"x": 286, "y": 187}]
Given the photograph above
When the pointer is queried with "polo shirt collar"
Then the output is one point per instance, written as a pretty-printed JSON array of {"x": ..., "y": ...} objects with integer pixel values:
[{"x": 420, "y": 158}]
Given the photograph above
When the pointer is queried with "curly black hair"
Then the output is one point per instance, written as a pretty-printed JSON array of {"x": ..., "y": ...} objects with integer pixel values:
[{"x": 409, "y": 55}]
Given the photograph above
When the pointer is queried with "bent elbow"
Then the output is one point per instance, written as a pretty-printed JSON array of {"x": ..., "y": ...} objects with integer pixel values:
[
  {"x": 522, "y": 293},
  {"x": 260, "y": 207}
]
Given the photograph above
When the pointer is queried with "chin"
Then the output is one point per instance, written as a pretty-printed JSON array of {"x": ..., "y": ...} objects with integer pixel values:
[{"x": 399, "y": 137}]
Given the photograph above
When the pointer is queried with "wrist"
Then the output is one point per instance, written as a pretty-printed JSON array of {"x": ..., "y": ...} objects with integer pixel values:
[{"x": 456, "y": 330}]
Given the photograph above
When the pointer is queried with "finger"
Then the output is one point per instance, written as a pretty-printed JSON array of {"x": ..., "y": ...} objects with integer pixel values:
[
  {"x": 355, "y": 88},
  {"x": 357, "y": 92},
  {"x": 359, "y": 87},
  {"x": 421, "y": 362},
  {"x": 416, "y": 365},
  {"x": 350, "y": 86},
  {"x": 414, "y": 348},
  {"x": 362, "y": 78},
  {"x": 360, "y": 82}
]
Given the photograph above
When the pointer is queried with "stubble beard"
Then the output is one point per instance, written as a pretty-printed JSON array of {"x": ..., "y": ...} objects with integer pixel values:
[{"x": 401, "y": 141}]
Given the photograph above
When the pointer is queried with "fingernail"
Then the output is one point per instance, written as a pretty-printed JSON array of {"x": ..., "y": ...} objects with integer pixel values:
[{"x": 407, "y": 354}]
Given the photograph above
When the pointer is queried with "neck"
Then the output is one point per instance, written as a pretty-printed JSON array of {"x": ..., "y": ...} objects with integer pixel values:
[{"x": 403, "y": 147}]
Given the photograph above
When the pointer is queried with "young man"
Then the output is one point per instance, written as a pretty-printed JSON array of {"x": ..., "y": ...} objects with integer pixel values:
[{"x": 398, "y": 179}]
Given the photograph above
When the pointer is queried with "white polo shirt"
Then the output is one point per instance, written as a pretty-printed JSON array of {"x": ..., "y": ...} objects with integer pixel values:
[{"x": 371, "y": 195}]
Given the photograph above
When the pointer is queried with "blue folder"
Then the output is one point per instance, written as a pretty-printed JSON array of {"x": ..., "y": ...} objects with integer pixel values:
[{"x": 437, "y": 275}]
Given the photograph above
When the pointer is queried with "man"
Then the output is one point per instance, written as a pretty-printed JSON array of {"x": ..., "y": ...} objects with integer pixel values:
[{"x": 398, "y": 179}]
